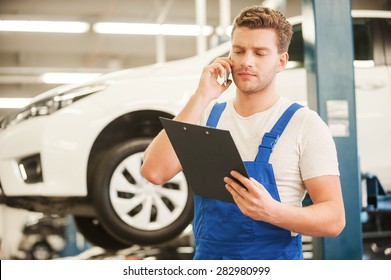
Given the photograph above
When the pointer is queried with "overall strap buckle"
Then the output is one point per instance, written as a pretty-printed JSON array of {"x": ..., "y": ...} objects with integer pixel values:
[{"x": 269, "y": 140}]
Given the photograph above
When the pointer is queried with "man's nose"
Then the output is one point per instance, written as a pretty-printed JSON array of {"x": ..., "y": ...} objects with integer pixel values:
[{"x": 247, "y": 60}]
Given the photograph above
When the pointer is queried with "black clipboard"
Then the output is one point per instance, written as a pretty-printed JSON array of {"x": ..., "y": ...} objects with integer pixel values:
[{"x": 207, "y": 155}]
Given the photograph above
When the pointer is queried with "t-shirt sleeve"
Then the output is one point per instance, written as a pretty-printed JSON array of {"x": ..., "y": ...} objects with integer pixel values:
[
  {"x": 205, "y": 115},
  {"x": 318, "y": 151}
]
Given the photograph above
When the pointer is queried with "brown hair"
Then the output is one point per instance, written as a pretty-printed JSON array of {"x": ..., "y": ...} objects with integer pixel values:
[{"x": 255, "y": 17}]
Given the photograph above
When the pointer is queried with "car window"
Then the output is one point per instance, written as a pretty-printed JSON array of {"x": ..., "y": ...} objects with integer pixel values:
[
  {"x": 387, "y": 46},
  {"x": 363, "y": 46},
  {"x": 296, "y": 48},
  {"x": 363, "y": 43}
]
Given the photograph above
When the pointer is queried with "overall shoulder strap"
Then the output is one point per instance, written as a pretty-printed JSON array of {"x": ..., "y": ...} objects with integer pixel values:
[
  {"x": 269, "y": 139},
  {"x": 215, "y": 114}
]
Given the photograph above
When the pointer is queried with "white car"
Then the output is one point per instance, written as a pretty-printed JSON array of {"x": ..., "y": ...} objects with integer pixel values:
[{"x": 78, "y": 149}]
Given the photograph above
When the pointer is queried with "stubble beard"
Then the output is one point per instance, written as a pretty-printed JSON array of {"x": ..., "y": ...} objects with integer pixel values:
[{"x": 262, "y": 85}]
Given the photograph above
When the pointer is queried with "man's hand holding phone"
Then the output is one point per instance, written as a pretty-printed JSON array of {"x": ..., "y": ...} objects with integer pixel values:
[
  {"x": 215, "y": 78},
  {"x": 224, "y": 77}
]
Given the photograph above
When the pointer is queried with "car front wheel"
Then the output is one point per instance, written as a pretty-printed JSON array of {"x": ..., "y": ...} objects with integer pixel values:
[{"x": 132, "y": 209}]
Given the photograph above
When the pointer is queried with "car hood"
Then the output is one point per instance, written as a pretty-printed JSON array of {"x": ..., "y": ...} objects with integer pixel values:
[{"x": 168, "y": 70}]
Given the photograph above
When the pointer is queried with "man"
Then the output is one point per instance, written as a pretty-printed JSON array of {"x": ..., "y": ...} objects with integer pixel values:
[{"x": 287, "y": 150}]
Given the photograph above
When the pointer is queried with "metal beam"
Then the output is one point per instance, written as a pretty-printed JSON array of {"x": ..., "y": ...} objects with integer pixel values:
[
  {"x": 201, "y": 22},
  {"x": 160, "y": 40},
  {"x": 328, "y": 41}
]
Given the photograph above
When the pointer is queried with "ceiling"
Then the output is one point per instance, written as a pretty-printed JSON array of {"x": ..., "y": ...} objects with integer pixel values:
[{"x": 25, "y": 56}]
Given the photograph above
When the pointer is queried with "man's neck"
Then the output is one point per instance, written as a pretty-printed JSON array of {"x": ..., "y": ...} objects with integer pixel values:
[{"x": 247, "y": 104}]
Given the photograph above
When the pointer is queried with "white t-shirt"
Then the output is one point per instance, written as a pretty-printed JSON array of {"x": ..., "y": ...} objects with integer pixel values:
[{"x": 304, "y": 150}]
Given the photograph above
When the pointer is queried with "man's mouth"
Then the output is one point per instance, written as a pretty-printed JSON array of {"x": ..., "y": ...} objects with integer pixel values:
[{"x": 246, "y": 74}]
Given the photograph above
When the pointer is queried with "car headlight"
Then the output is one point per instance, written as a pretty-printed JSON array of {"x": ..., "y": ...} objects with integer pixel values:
[{"x": 51, "y": 104}]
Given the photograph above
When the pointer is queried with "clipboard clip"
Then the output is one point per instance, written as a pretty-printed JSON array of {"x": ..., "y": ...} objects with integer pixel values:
[{"x": 206, "y": 131}]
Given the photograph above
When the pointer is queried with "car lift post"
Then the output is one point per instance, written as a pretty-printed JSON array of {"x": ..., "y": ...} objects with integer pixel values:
[
  {"x": 73, "y": 245},
  {"x": 328, "y": 43}
]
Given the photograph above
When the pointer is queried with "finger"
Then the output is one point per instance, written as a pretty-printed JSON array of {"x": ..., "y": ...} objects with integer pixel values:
[
  {"x": 236, "y": 186},
  {"x": 229, "y": 82},
  {"x": 243, "y": 179},
  {"x": 228, "y": 64},
  {"x": 225, "y": 62},
  {"x": 216, "y": 69},
  {"x": 253, "y": 189},
  {"x": 235, "y": 195}
]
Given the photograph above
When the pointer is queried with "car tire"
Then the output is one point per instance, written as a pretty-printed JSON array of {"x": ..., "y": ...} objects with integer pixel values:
[
  {"x": 133, "y": 209},
  {"x": 94, "y": 233}
]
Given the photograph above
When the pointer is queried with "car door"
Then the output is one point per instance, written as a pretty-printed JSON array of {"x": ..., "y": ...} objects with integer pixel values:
[
  {"x": 373, "y": 99},
  {"x": 373, "y": 90},
  {"x": 292, "y": 82},
  {"x": 386, "y": 23}
]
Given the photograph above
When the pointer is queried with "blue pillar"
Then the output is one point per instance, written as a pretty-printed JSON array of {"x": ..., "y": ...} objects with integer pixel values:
[{"x": 328, "y": 41}]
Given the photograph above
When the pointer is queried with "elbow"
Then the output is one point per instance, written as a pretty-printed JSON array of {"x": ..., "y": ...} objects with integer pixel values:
[
  {"x": 152, "y": 176},
  {"x": 337, "y": 227}
]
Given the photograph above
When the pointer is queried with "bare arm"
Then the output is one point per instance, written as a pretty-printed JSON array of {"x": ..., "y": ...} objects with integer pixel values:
[
  {"x": 326, "y": 217},
  {"x": 160, "y": 161}
]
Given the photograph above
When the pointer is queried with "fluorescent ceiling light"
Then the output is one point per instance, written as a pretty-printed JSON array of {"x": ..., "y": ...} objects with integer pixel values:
[
  {"x": 67, "y": 78},
  {"x": 186, "y": 30},
  {"x": 151, "y": 29},
  {"x": 126, "y": 28},
  {"x": 44, "y": 26},
  {"x": 12, "y": 103},
  {"x": 224, "y": 31}
]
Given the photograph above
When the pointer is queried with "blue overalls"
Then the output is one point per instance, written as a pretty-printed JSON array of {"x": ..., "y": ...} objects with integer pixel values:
[{"x": 222, "y": 231}]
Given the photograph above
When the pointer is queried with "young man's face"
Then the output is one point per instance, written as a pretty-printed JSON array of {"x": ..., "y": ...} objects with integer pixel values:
[{"x": 256, "y": 59}]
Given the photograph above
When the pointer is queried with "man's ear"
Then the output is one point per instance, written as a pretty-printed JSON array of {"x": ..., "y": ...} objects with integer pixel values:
[{"x": 284, "y": 57}]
